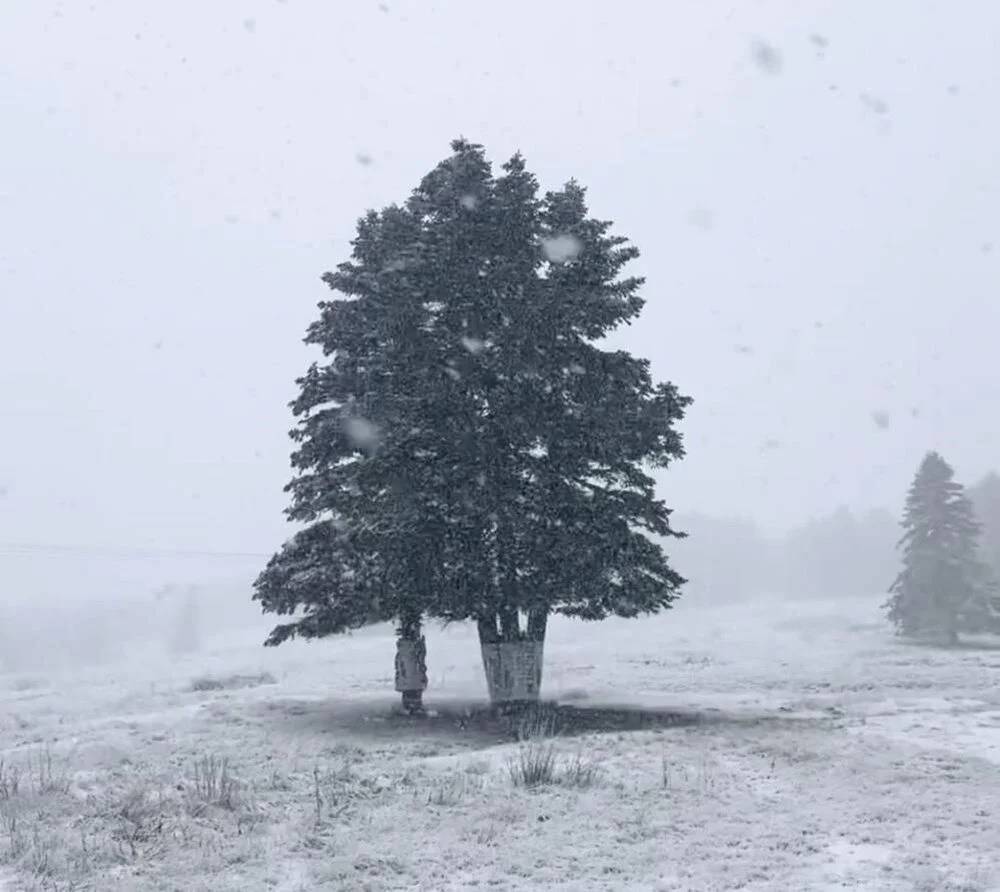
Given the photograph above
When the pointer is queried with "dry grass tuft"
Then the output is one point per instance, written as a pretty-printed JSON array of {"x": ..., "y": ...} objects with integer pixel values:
[
  {"x": 579, "y": 772},
  {"x": 534, "y": 765},
  {"x": 213, "y": 784}
]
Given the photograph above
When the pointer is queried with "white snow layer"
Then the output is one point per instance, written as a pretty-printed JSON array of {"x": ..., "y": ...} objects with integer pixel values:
[{"x": 809, "y": 749}]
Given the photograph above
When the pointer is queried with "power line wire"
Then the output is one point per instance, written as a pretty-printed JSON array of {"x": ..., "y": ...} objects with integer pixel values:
[{"x": 28, "y": 548}]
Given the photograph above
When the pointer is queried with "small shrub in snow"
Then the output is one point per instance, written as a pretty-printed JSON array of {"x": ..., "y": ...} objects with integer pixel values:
[
  {"x": 535, "y": 724},
  {"x": 701, "y": 776},
  {"x": 11, "y": 834},
  {"x": 41, "y": 855},
  {"x": 213, "y": 784},
  {"x": 139, "y": 820},
  {"x": 579, "y": 772},
  {"x": 279, "y": 781},
  {"x": 451, "y": 790},
  {"x": 486, "y": 835},
  {"x": 43, "y": 775},
  {"x": 29, "y": 844},
  {"x": 534, "y": 765},
  {"x": 10, "y": 781}
]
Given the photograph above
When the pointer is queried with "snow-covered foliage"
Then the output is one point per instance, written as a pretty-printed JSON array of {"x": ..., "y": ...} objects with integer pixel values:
[
  {"x": 448, "y": 343},
  {"x": 943, "y": 588}
]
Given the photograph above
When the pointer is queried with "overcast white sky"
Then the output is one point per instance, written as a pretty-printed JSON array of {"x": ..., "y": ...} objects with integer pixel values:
[{"x": 820, "y": 235}]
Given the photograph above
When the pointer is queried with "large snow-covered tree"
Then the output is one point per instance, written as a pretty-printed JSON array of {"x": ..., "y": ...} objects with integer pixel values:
[
  {"x": 507, "y": 475},
  {"x": 549, "y": 434},
  {"x": 943, "y": 588}
]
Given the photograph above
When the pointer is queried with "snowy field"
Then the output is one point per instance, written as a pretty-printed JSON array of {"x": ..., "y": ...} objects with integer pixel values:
[{"x": 772, "y": 746}]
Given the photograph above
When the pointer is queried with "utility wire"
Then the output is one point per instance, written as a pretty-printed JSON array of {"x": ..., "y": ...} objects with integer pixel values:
[{"x": 28, "y": 548}]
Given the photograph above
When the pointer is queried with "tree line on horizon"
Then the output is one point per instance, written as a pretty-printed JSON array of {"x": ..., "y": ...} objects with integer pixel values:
[{"x": 843, "y": 553}]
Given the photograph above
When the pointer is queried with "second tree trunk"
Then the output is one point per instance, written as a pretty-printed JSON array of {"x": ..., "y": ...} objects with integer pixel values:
[
  {"x": 512, "y": 660},
  {"x": 411, "y": 666}
]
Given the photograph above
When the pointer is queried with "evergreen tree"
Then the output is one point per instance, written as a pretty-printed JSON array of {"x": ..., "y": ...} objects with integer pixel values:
[
  {"x": 943, "y": 589},
  {"x": 506, "y": 474},
  {"x": 548, "y": 430},
  {"x": 342, "y": 584},
  {"x": 367, "y": 552},
  {"x": 320, "y": 571}
]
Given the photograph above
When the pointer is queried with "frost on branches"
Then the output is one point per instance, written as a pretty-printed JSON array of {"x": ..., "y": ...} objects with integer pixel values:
[{"x": 467, "y": 450}]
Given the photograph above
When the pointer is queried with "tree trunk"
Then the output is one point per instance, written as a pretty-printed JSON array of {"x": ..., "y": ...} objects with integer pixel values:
[
  {"x": 411, "y": 665},
  {"x": 413, "y": 702},
  {"x": 512, "y": 660}
]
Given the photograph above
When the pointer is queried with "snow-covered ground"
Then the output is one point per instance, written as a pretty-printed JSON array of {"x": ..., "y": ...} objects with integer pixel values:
[{"x": 780, "y": 746}]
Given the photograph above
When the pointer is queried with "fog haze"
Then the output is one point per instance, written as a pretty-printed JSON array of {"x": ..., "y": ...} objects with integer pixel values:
[{"x": 812, "y": 186}]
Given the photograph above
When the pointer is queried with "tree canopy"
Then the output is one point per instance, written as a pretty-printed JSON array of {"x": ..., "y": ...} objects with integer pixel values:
[
  {"x": 943, "y": 588},
  {"x": 469, "y": 448}
]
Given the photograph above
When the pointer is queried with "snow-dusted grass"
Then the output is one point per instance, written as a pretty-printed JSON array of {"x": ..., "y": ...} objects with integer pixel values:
[{"x": 774, "y": 746}]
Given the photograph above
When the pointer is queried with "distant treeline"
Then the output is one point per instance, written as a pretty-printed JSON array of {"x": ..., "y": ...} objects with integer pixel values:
[{"x": 842, "y": 554}]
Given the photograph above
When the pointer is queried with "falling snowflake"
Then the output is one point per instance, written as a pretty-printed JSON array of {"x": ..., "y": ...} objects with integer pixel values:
[
  {"x": 469, "y": 202},
  {"x": 363, "y": 158},
  {"x": 362, "y": 433},
  {"x": 473, "y": 345},
  {"x": 768, "y": 59},
  {"x": 878, "y": 106},
  {"x": 452, "y": 373},
  {"x": 577, "y": 369},
  {"x": 561, "y": 248}
]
